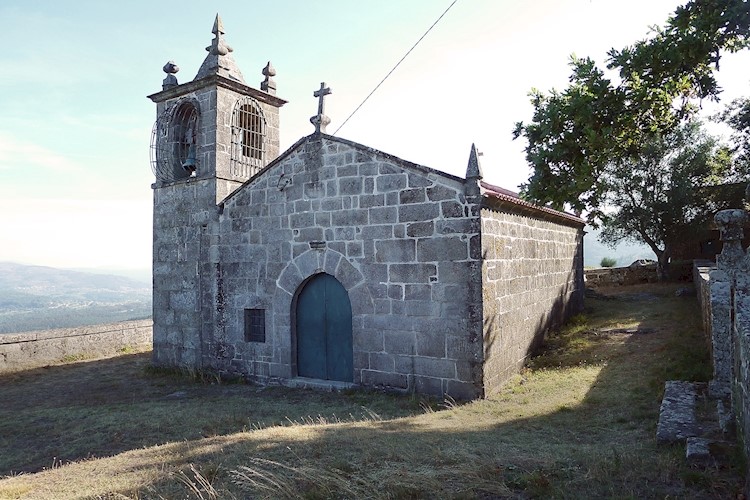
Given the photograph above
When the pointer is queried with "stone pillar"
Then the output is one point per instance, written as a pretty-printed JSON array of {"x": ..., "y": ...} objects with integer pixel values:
[
  {"x": 730, "y": 223},
  {"x": 473, "y": 193},
  {"x": 722, "y": 285},
  {"x": 720, "y": 294}
]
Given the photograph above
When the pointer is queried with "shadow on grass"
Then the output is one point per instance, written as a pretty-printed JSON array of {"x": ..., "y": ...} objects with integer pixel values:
[
  {"x": 580, "y": 423},
  {"x": 65, "y": 413}
]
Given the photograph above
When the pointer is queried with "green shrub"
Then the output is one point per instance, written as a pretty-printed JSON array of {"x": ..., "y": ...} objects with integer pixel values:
[{"x": 608, "y": 262}]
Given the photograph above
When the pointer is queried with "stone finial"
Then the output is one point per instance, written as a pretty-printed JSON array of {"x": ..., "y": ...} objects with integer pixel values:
[
  {"x": 731, "y": 232},
  {"x": 269, "y": 84},
  {"x": 218, "y": 26},
  {"x": 472, "y": 189},
  {"x": 474, "y": 168},
  {"x": 218, "y": 44},
  {"x": 219, "y": 60},
  {"x": 170, "y": 81},
  {"x": 321, "y": 120}
]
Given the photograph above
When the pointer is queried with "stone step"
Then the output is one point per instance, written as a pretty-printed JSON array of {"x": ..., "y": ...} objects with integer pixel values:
[
  {"x": 677, "y": 417},
  {"x": 318, "y": 384},
  {"x": 698, "y": 450}
]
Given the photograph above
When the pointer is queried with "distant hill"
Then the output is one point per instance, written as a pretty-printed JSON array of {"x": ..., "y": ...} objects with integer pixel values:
[
  {"x": 140, "y": 275},
  {"x": 39, "y": 298},
  {"x": 624, "y": 253}
]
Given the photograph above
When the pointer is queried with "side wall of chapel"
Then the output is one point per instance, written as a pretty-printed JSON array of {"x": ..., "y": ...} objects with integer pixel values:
[{"x": 532, "y": 280}]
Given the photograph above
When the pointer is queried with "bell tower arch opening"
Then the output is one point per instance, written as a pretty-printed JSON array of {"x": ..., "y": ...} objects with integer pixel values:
[
  {"x": 249, "y": 138},
  {"x": 184, "y": 131},
  {"x": 174, "y": 141}
]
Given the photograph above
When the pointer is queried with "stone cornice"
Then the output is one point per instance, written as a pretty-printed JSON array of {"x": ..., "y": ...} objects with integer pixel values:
[{"x": 219, "y": 81}]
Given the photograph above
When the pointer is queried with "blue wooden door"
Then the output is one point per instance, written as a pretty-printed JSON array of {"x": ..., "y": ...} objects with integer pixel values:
[{"x": 324, "y": 330}]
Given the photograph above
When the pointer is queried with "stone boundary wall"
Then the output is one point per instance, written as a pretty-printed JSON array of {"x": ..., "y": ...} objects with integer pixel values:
[
  {"x": 23, "y": 351},
  {"x": 614, "y": 276},
  {"x": 701, "y": 270},
  {"x": 725, "y": 305}
]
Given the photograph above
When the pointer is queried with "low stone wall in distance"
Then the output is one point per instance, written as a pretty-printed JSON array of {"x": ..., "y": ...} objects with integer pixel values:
[
  {"x": 22, "y": 351},
  {"x": 614, "y": 276}
]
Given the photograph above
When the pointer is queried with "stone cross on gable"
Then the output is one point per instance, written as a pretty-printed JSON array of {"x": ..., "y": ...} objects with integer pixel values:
[
  {"x": 321, "y": 94},
  {"x": 321, "y": 120}
]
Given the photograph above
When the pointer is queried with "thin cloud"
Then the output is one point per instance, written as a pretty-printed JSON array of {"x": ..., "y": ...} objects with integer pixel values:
[{"x": 15, "y": 153}]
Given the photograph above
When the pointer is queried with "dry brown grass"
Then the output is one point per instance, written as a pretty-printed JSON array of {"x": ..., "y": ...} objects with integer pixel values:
[{"x": 578, "y": 423}]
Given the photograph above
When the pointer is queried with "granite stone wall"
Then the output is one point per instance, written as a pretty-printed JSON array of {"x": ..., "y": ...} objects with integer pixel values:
[
  {"x": 725, "y": 303},
  {"x": 739, "y": 357},
  {"x": 184, "y": 210},
  {"x": 532, "y": 279},
  {"x": 428, "y": 263},
  {"x": 23, "y": 351},
  {"x": 182, "y": 213},
  {"x": 397, "y": 236}
]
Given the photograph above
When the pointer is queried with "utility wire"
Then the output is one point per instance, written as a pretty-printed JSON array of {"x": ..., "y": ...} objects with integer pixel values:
[{"x": 396, "y": 66}]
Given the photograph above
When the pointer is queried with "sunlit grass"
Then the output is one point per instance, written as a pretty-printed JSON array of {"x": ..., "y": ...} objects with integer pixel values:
[{"x": 578, "y": 422}]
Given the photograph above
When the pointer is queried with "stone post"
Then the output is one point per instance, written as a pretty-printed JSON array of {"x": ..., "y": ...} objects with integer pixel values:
[
  {"x": 730, "y": 223},
  {"x": 722, "y": 284},
  {"x": 721, "y": 333}
]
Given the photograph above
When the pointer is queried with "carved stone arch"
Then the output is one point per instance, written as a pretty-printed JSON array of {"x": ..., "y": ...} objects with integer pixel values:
[{"x": 291, "y": 280}]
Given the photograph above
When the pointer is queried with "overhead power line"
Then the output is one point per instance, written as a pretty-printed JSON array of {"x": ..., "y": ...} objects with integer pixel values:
[{"x": 396, "y": 66}]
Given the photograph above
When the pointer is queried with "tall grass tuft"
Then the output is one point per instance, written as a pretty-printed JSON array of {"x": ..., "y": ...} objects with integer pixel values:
[
  {"x": 279, "y": 480},
  {"x": 199, "y": 485}
]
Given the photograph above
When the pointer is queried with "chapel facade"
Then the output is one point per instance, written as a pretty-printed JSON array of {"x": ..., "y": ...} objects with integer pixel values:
[{"x": 335, "y": 264}]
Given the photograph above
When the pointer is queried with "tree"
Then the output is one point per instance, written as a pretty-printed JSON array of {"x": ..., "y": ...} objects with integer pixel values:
[
  {"x": 664, "y": 195},
  {"x": 572, "y": 138},
  {"x": 584, "y": 141},
  {"x": 737, "y": 116},
  {"x": 576, "y": 134}
]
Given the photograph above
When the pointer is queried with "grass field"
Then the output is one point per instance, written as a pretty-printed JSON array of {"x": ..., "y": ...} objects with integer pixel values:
[{"x": 579, "y": 422}]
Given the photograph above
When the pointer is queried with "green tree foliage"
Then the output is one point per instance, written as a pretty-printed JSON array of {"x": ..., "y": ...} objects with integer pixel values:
[
  {"x": 608, "y": 262},
  {"x": 665, "y": 194},
  {"x": 737, "y": 116},
  {"x": 573, "y": 136},
  {"x": 577, "y": 135}
]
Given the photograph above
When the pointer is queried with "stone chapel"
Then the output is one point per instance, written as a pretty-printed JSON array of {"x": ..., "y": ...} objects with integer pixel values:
[{"x": 334, "y": 264}]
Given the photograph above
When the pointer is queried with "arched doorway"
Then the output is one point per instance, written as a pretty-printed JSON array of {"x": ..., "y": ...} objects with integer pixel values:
[{"x": 324, "y": 330}]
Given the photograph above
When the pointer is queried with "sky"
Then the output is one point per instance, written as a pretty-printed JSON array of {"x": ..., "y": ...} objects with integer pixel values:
[{"x": 75, "y": 123}]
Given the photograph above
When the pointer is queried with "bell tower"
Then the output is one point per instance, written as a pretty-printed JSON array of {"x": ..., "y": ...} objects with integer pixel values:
[
  {"x": 211, "y": 134},
  {"x": 215, "y": 126}
]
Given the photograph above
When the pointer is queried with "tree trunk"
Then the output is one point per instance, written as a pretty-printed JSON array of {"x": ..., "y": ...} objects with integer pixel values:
[
  {"x": 662, "y": 264},
  {"x": 662, "y": 258}
]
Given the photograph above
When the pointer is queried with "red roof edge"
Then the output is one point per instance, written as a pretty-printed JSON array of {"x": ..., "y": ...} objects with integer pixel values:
[{"x": 506, "y": 195}]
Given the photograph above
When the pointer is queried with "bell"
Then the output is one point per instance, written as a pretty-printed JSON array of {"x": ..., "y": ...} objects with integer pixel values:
[{"x": 189, "y": 164}]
